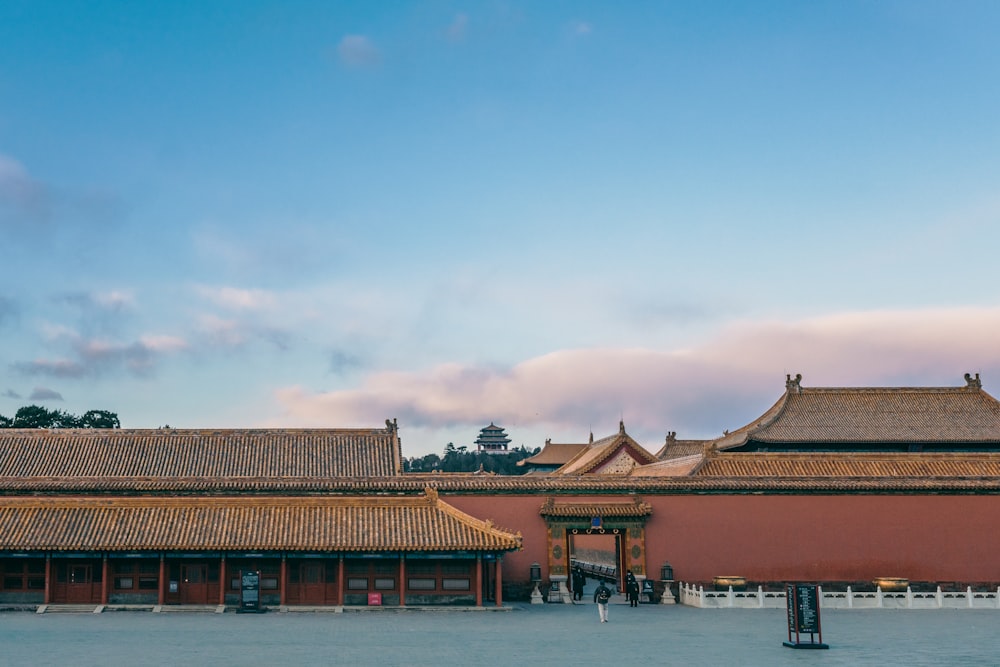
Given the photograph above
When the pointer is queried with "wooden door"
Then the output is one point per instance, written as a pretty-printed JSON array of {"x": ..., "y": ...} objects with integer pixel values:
[
  {"x": 194, "y": 583},
  {"x": 307, "y": 583},
  {"x": 80, "y": 583}
]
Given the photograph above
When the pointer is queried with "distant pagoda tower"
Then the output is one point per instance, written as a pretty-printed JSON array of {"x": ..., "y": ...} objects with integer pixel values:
[{"x": 492, "y": 440}]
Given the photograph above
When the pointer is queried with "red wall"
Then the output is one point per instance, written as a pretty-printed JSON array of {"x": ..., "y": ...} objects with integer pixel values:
[{"x": 788, "y": 538}]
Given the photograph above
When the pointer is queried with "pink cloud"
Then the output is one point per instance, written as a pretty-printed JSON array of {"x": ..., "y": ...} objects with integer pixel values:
[{"x": 720, "y": 383}]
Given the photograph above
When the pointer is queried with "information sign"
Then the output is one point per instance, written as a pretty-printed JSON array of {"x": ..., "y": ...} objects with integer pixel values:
[
  {"x": 802, "y": 604},
  {"x": 807, "y": 608},
  {"x": 250, "y": 591}
]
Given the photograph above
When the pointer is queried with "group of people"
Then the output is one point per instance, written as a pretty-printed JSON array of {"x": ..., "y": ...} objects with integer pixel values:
[{"x": 602, "y": 594}]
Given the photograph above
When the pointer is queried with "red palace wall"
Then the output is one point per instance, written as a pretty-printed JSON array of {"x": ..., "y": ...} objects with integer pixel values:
[{"x": 787, "y": 538}]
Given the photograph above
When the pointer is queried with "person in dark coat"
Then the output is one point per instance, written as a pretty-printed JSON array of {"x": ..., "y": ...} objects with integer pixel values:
[
  {"x": 579, "y": 581},
  {"x": 632, "y": 590},
  {"x": 602, "y": 596}
]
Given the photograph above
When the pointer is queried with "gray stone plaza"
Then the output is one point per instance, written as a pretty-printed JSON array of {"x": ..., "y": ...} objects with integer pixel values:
[{"x": 519, "y": 634}]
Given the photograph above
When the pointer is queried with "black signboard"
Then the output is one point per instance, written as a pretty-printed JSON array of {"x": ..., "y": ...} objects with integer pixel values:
[
  {"x": 250, "y": 591},
  {"x": 806, "y": 608},
  {"x": 802, "y": 603}
]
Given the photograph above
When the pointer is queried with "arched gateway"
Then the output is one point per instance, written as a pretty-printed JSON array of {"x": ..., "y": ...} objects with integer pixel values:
[{"x": 620, "y": 526}]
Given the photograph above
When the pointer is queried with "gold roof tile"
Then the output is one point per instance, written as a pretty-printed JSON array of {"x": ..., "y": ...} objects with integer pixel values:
[
  {"x": 176, "y": 453},
  {"x": 421, "y": 523}
]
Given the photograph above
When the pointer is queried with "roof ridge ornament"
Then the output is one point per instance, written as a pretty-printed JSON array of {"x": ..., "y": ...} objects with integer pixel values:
[
  {"x": 973, "y": 382},
  {"x": 794, "y": 385}
]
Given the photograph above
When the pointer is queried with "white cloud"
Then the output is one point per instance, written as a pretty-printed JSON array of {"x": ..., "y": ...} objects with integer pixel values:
[
  {"x": 235, "y": 298},
  {"x": 358, "y": 51},
  {"x": 222, "y": 331},
  {"x": 721, "y": 383},
  {"x": 162, "y": 343},
  {"x": 115, "y": 299}
]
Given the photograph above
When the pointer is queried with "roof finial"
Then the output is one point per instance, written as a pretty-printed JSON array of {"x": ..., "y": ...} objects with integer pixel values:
[
  {"x": 671, "y": 437},
  {"x": 793, "y": 385},
  {"x": 973, "y": 382},
  {"x": 621, "y": 426}
]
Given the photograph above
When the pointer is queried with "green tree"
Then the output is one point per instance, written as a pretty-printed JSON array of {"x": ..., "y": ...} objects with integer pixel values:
[
  {"x": 35, "y": 416},
  {"x": 458, "y": 459},
  {"x": 99, "y": 419}
]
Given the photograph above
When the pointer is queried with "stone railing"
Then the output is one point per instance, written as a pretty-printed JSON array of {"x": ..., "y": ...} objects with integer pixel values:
[{"x": 697, "y": 596}]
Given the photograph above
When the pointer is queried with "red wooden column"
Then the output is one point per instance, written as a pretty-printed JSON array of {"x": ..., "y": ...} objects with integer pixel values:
[
  {"x": 499, "y": 594},
  {"x": 48, "y": 579},
  {"x": 104, "y": 579},
  {"x": 479, "y": 580},
  {"x": 340, "y": 580},
  {"x": 283, "y": 577},
  {"x": 162, "y": 593},
  {"x": 402, "y": 580},
  {"x": 223, "y": 581}
]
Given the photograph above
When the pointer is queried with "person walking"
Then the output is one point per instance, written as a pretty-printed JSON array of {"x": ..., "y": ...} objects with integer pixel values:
[
  {"x": 632, "y": 590},
  {"x": 602, "y": 596}
]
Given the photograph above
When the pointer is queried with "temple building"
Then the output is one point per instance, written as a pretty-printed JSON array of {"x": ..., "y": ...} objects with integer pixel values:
[
  {"x": 492, "y": 440},
  {"x": 170, "y": 516},
  {"x": 829, "y": 485}
]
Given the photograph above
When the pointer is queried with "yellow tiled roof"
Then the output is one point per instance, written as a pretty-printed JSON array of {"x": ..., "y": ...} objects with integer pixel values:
[
  {"x": 207, "y": 454},
  {"x": 637, "y": 508},
  {"x": 674, "y": 449},
  {"x": 885, "y": 465},
  {"x": 554, "y": 454},
  {"x": 599, "y": 452},
  {"x": 675, "y": 467},
  {"x": 370, "y": 524},
  {"x": 843, "y": 415}
]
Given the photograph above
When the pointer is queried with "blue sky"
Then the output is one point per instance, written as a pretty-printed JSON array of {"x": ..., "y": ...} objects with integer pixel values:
[{"x": 550, "y": 215}]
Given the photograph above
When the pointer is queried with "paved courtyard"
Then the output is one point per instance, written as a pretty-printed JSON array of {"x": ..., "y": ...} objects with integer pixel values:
[{"x": 522, "y": 635}]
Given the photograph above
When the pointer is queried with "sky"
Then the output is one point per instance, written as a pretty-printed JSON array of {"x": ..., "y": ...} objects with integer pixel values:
[{"x": 552, "y": 216}]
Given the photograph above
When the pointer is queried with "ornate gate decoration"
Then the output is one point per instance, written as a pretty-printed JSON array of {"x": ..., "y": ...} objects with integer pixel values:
[{"x": 626, "y": 521}]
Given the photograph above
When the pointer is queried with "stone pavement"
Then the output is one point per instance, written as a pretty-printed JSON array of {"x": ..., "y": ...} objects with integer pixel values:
[{"x": 528, "y": 635}]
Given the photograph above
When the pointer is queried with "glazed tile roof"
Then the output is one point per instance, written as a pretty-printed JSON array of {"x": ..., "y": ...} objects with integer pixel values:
[
  {"x": 674, "y": 448},
  {"x": 637, "y": 508},
  {"x": 208, "y": 454},
  {"x": 604, "y": 452},
  {"x": 677, "y": 467},
  {"x": 493, "y": 485},
  {"x": 841, "y": 416},
  {"x": 553, "y": 454},
  {"x": 422, "y": 523},
  {"x": 873, "y": 465}
]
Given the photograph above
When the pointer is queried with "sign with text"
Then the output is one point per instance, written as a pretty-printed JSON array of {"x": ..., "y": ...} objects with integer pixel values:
[
  {"x": 802, "y": 601},
  {"x": 250, "y": 591}
]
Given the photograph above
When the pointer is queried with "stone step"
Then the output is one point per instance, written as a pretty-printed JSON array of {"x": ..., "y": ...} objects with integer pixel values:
[{"x": 70, "y": 609}]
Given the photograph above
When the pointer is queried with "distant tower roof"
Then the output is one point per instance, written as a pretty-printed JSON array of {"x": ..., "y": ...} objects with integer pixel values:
[{"x": 492, "y": 439}]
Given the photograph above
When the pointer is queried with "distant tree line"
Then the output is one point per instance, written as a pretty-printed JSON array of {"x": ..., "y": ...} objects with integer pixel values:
[
  {"x": 35, "y": 416},
  {"x": 459, "y": 459}
]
